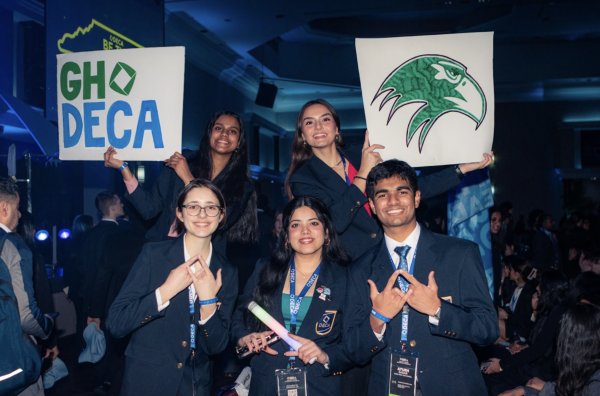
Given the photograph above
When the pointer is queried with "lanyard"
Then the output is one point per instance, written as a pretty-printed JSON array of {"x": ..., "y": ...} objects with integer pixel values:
[
  {"x": 345, "y": 173},
  {"x": 404, "y": 287},
  {"x": 192, "y": 319},
  {"x": 295, "y": 304},
  {"x": 513, "y": 300}
]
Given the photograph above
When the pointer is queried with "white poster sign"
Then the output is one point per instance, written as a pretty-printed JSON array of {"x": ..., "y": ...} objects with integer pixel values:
[
  {"x": 429, "y": 100},
  {"x": 131, "y": 99}
]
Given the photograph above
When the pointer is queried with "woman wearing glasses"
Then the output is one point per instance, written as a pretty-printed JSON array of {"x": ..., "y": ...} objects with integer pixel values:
[
  {"x": 177, "y": 302},
  {"x": 223, "y": 159}
]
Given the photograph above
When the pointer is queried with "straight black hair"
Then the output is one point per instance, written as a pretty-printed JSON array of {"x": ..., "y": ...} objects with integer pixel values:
[
  {"x": 578, "y": 349},
  {"x": 231, "y": 180},
  {"x": 275, "y": 271}
]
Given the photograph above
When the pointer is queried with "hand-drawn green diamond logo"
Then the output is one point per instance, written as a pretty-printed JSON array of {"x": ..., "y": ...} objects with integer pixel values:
[
  {"x": 122, "y": 78},
  {"x": 441, "y": 84}
]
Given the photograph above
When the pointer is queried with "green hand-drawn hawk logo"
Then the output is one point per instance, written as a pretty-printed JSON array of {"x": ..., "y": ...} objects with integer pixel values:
[{"x": 441, "y": 84}]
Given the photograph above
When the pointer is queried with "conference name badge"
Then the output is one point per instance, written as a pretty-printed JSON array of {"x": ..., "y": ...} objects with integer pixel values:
[
  {"x": 403, "y": 373},
  {"x": 325, "y": 324},
  {"x": 291, "y": 382}
]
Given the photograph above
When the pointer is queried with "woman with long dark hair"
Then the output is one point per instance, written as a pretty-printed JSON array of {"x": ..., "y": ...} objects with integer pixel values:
[
  {"x": 577, "y": 357},
  {"x": 173, "y": 305},
  {"x": 537, "y": 359},
  {"x": 303, "y": 287},
  {"x": 320, "y": 168},
  {"x": 221, "y": 158}
]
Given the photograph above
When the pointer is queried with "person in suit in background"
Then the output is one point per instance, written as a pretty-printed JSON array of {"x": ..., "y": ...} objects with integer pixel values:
[
  {"x": 173, "y": 305},
  {"x": 448, "y": 305},
  {"x": 95, "y": 255},
  {"x": 321, "y": 169},
  {"x": 309, "y": 252},
  {"x": 18, "y": 259},
  {"x": 546, "y": 254}
]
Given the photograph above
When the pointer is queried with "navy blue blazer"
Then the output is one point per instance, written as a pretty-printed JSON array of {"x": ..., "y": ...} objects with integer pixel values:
[
  {"x": 162, "y": 200},
  {"x": 447, "y": 364},
  {"x": 159, "y": 346},
  {"x": 322, "y": 324},
  {"x": 358, "y": 231}
]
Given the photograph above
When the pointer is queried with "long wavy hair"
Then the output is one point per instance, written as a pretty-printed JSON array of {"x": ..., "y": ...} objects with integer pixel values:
[
  {"x": 303, "y": 152},
  {"x": 231, "y": 181},
  {"x": 578, "y": 349},
  {"x": 275, "y": 271}
]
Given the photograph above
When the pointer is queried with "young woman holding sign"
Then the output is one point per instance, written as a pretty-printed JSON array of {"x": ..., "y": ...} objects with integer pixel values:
[
  {"x": 177, "y": 302},
  {"x": 303, "y": 286},
  {"x": 321, "y": 169},
  {"x": 223, "y": 159}
]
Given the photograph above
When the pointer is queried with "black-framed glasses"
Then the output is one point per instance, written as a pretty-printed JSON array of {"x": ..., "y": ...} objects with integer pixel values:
[{"x": 194, "y": 210}]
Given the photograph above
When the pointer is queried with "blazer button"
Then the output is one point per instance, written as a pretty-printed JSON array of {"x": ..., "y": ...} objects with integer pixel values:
[
  {"x": 446, "y": 332},
  {"x": 373, "y": 235},
  {"x": 352, "y": 210},
  {"x": 453, "y": 334},
  {"x": 184, "y": 344},
  {"x": 358, "y": 203},
  {"x": 179, "y": 365},
  {"x": 413, "y": 343}
]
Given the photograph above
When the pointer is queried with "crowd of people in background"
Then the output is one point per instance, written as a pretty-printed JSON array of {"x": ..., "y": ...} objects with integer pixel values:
[{"x": 165, "y": 298}]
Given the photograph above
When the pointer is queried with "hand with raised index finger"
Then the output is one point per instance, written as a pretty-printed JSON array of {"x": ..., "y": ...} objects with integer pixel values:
[
  {"x": 423, "y": 299},
  {"x": 388, "y": 303}
]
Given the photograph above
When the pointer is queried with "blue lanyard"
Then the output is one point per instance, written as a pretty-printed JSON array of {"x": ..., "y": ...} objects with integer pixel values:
[
  {"x": 513, "y": 300},
  {"x": 295, "y": 304},
  {"x": 192, "y": 319},
  {"x": 404, "y": 287},
  {"x": 345, "y": 173}
]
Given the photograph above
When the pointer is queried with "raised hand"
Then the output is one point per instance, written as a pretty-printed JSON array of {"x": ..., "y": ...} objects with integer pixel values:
[
  {"x": 488, "y": 159},
  {"x": 388, "y": 303},
  {"x": 257, "y": 342},
  {"x": 109, "y": 159},
  {"x": 423, "y": 298},
  {"x": 207, "y": 286},
  {"x": 180, "y": 165},
  {"x": 369, "y": 157},
  {"x": 308, "y": 351}
]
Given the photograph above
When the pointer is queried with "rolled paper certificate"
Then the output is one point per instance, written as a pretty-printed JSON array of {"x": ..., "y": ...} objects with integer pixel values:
[{"x": 272, "y": 324}]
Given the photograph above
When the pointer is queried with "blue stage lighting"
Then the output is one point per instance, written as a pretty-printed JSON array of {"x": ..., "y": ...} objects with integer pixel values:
[
  {"x": 64, "y": 234},
  {"x": 42, "y": 235}
]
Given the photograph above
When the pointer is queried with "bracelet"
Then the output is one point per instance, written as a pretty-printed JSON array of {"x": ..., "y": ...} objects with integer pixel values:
[
  {"x": 459, "y": 172},
  {"x": 360, "y": 177},
  {"x": 380, "y": 316},
  {"x": 208, "y": 302},
  {"x": 125, "y": 165}
]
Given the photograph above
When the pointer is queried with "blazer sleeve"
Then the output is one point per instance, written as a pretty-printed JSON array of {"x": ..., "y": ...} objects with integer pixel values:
[
  {"x": 151, "y": 203},
  {"x": 238, "y": 328},
  {"x": 343, "y": 210},
  {"x": 359, "y": 342},
  {"x": 475, "y": 319},
  {"x": 136, "y": 304},
  {"x": 214, "y": 334},
  {"x": 438, "y": 183}
]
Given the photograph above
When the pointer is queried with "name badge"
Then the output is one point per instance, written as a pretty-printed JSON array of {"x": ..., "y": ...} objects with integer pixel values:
[
  {"x": 291, "y": 382},
  {"x": 403, "y": 373}
]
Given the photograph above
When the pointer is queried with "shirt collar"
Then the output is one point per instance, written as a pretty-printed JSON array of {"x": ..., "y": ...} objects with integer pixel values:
[
  {"x": 5, "y": 228},
  {"x": 411, "y": 241},
  {"x": 114, "y": 221},
  {"x": 186, "y": 254}
]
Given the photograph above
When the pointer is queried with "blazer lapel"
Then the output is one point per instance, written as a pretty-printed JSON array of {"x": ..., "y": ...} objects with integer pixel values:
[
  {"x": 381, "y": 267},
  {"x": 426, "y": 260},
  {"x": 318, "y": 306}
]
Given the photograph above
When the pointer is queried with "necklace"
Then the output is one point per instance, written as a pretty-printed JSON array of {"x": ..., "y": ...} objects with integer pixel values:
[
  {"x": 336, "y": 165},
  {"x": 300, "y": 272}
]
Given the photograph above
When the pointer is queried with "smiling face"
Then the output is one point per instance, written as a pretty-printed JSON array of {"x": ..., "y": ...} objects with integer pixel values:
[
  {"x": 225, "y": 135},
  {"x": 395, "y": 205},
  {"x": 306, "y": 233},
  {"x": 318, "y": 126},
  {"x": 201, "y": 225},
  {"x": 495, "y": 222}
]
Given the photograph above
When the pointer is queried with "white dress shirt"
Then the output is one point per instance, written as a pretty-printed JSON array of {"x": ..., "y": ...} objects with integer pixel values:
[{"x": 186, "y": 256}]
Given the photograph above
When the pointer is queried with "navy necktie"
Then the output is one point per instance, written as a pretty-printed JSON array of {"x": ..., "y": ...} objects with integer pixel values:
[{"x": 402, "y": 251}]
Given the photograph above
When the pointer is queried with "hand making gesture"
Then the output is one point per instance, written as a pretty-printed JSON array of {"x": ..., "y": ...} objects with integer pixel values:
[
  {"x": 389, "y": 302},
  {"x": 423, "y": 299}
]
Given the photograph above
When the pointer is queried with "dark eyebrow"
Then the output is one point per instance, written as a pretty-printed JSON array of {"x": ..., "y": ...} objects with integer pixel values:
[
  {"x": 380, "y": 191},
  {"x": 231, "y": 127},
  {"x": 322, "y": 115},
  {"x": 314, "y": 218}
]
